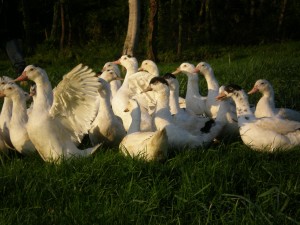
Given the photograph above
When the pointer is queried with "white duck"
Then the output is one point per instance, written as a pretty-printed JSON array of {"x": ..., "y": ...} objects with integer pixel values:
[
  {"x": 17, "y": 124},
  {"x": 107, "y": 128},
  {"x": 263, "y": 134},
  {"x": 266, "y": 105},
  {"x": 5, "y": 116},
  {"x": 116, "y": 83},
  {"x": 182, "y": 117},
  {"x": 151, "y": 67},
  {"x": 120, "y": 100},
  {"x": 128, "y": 90},
  {"x": 227, "y": 114},
  {"x": 54, "y": 125},
  {"x": 193, "y": 99},
  {"x": 146, "y": 145},
  {"x": 147, "y": 71},
  {"x": 212, "y": 105},
  {"x": 177, "y": 136},
  {"x": 139, "y": 81}
]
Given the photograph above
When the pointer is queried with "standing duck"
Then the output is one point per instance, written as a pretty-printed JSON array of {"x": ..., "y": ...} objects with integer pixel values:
[
  {"x": 17, "y": 124},
  {"x": 212, "y": 105},
  {"x": 5, "y": 116},
  {"x": 194, "y": 101},
  {"x": 61, "y": 117},
  {"x": 130, "y": 88},
  {"x": 107, "y": 128},
  {"x": 182, "y": 117},
  {"x": 116, "y": 83}
]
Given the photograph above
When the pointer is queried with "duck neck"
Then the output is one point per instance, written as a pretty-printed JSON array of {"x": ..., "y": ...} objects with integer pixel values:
[
  {"x": 243, "y": 110},
  {"x": 129, "y": 71},
  {"x": 162, "y": 115},
  {"x": 44, "y": 94},
  {"x": 135, "y": 120},
  {"x": 193, "y": 85},
  {"x": 174, "y": 102},
  {"x": 105, "y": 104},
  {"x": 6, "y": 111},
  {"x": 19, "y": 111},
  {"x": 154, "y": 71},
  {"x": 269, "y": 96},
  {"x": 212, "y": 83}
]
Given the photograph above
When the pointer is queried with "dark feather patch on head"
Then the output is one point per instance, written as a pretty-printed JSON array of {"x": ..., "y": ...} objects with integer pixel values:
[
  {"x": 169, "y": 75},
  {"x": 232, "y": 87},
  {"x": 155, "y": 80}
]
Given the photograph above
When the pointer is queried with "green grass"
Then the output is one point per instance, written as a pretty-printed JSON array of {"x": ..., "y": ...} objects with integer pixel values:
[{"x": 225, "y": 184}]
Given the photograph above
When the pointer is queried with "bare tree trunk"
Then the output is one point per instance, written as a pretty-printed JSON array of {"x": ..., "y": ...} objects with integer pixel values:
[
  {"x": 62, "y": 17},
  {"x": 69, "y": 26},
  {"x": 133, "y": 27},
  {"x": 28, "y": 27},
  {"x": 179, "y": 43},
  {"x": 281, "y": 16},
  {"x": 54, "y": 21},
  {"x": 208, "y": 21},
  {"x": 151, "y": 19}
]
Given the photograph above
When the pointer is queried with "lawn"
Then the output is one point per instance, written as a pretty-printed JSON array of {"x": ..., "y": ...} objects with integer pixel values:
[{"x": 228, "y": 183}]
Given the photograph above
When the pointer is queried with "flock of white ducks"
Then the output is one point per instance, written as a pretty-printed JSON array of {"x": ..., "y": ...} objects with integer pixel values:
[{"x": 143, "y": 116}]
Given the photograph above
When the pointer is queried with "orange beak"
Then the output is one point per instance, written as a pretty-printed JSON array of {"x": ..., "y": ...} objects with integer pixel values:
[
  {"x": 196, "y": 70},
  {"x": 117, "y": 62},
  {"x": 22, "y": 77},
  {"x": 254, "y": 90},
  {"x": 2, "y": 94},
  {"x": 177, "y": 71},
  {"x": 221, "y": 96}
]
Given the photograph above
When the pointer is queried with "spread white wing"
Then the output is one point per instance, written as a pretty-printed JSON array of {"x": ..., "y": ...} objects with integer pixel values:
[{"x": 74, "y": 100}]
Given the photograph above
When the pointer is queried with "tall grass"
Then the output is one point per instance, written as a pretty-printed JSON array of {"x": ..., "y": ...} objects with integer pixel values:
[{"x": 224, "y": 184}]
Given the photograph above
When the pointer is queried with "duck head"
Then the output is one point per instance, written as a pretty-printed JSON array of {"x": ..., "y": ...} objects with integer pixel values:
[{"x": 229, "y": 90}]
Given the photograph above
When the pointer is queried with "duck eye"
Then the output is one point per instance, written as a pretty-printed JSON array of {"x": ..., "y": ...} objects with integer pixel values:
[{"x": 262, "y": 83}]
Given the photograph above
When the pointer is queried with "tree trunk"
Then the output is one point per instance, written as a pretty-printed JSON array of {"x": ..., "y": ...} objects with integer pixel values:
[
  {"x": 54, "y": 21},
  {"x": 62, "y": 18},
  {"x": 151, "y": 22},
  {"x": 179, "y": 41},
  {"x": 69, "y": 26},
  {"x": 281, "y": 16},
  {"x": 133, "y": 27},
  {"x": 28, "y": 27}
]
